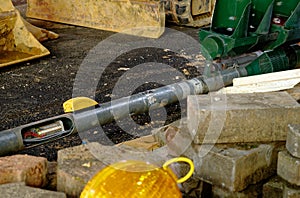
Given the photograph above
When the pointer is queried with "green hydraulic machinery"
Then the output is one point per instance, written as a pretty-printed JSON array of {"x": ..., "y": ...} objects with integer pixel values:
[{"x": 240, "y": 26}]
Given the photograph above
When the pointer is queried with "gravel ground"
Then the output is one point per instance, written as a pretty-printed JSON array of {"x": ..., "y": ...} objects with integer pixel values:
[{"x": 36, "y": 90}]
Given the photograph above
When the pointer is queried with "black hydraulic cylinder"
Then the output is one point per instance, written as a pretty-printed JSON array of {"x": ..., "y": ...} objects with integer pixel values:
[
  {"x": 155, "y": 98},
  {"x": 51, "y": 129}
]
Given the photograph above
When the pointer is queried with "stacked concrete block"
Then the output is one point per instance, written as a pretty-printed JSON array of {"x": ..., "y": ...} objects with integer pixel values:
[
  {"x": 75, "y": 167},
  {"x": 233, "y": 139},
  {"x": 288, "y": 167},
  {"x": 228, "y": 167},
  {"x": 235, "y": 167},
  {"x": 237, "y": 118},
  {"x": 23, "y": 168}
]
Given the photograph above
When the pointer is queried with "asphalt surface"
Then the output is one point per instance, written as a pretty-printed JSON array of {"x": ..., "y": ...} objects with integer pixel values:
[{"x": 36, "y": 90}]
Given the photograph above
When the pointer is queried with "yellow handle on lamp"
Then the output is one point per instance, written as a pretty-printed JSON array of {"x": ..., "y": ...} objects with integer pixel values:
[{"x": 181, "y": 159}]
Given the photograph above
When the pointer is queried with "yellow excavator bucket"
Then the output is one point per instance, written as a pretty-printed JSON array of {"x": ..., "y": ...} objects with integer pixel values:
[
  {"x": 137, "y": 17},
  {"x": 17, "y": 44}
]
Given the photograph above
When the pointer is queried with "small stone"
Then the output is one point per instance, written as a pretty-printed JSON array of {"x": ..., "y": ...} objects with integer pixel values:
[
  {"x": 37, "y": 80},
  {"x": 288, "y": 167},
  {"x": 23, "y": 168}
]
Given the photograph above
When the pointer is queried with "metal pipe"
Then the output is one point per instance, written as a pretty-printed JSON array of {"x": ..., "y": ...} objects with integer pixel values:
[{"x": 16, "y": 139}]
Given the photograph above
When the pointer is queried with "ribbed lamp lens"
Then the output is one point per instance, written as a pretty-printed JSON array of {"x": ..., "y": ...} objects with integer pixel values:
[{"x": 132, "y": 179}]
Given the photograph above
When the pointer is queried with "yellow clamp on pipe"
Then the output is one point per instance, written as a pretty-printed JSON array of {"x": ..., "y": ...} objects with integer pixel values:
[
  {"x": 181, "y": 159},
  {"x": 78, "y": 103}
]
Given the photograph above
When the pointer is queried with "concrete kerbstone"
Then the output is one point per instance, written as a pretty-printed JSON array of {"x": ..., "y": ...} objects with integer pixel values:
[{"x": 237, "y": 118}]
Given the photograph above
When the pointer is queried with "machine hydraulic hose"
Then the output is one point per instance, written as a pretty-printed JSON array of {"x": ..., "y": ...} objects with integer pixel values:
[{"x": 37, "y": 133}]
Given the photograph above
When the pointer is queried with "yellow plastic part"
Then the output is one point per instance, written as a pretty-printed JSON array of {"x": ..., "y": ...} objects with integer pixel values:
[
  {"x": 78, "y": 103},
  {"x": 136, "y": 179}
]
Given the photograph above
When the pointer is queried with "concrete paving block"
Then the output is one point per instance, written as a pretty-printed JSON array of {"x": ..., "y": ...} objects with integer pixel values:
[
  {"x": 23, "y": 168},
  {"x": 52, "y": 176},
  {"x": 276, "y": 187},
  {"x": 194, "y": 188},
  {"x": 253, "y": 191},
  {"x": 293, "y": 140},
  {"x": 75, "y": 167},
  {"x": 14, "y": 190},
  {"x": 273, "y": 188},
  {"x": 231, "y": 118},
  {"x": 234, "y": 167},
  {"x": 288, "y": 167},
  {"x": 291, "y": 192}
]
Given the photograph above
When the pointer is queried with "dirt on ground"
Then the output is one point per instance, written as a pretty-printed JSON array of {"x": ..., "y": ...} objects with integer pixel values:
[{"x": 36, "y": 89}]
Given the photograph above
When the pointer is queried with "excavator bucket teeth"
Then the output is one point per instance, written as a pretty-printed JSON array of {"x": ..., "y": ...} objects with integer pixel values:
[
  {"x": 137, "y": 17},
  {"x": 17, "y": 44}
]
